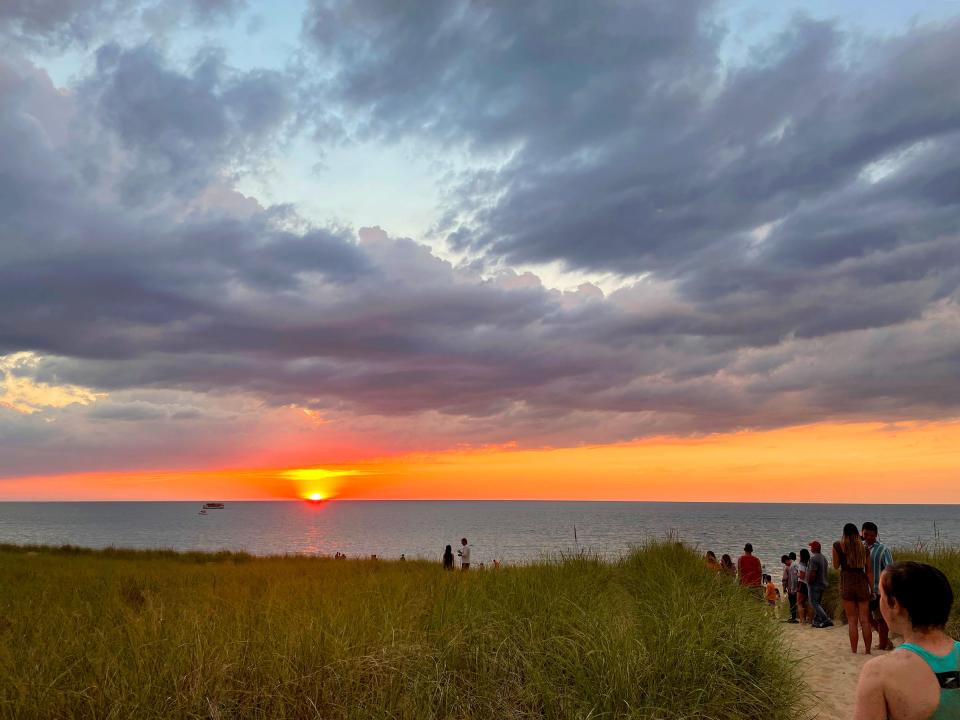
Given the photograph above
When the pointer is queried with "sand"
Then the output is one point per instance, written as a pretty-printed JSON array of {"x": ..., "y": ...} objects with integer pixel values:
[{"x": 829, "y": 668}]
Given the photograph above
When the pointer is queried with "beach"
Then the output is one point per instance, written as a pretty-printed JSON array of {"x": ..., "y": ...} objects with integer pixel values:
[{"x": 828, "y": 667}]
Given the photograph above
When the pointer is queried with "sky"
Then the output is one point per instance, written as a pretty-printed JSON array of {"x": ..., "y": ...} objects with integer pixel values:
[{"x": 446, "y": 249}]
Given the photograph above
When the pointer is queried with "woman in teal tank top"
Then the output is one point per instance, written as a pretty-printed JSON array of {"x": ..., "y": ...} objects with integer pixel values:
[{"x": 920, "y": 680}]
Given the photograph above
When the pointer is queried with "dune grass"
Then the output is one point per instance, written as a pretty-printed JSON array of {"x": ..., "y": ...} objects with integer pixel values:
[{"x": 117, "y": 634}]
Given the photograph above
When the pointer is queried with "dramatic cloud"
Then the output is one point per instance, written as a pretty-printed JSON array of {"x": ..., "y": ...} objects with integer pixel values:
[
  {"x": 62, "y": 23},
  {"x": 785, "y": 228}
]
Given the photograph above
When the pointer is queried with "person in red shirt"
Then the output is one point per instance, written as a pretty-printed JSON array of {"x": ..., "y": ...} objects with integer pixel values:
[{"x": 748, "y": 568}]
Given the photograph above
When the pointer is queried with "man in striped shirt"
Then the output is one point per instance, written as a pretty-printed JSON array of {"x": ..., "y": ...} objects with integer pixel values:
[{"x": 880, "y": 557}]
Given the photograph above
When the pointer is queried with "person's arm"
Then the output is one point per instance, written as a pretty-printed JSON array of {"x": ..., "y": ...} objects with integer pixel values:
[
  {"x": 870, "y": 701},
  {"x": 836, "y": 556},
  {"x": 811, "y": 572}
]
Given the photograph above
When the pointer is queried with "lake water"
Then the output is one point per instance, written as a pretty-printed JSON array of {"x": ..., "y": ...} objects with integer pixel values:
[{"x": 509, "y": 531}]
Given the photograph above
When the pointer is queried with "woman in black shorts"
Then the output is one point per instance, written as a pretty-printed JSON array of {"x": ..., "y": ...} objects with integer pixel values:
[{"x": 856, "y": 582}]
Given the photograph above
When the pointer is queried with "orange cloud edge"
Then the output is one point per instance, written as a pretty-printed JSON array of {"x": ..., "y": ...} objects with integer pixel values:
[{"x": 909, "y": 462}]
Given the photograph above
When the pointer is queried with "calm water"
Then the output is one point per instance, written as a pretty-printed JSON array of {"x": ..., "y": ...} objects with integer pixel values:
[{"x": 510, "y": 531}]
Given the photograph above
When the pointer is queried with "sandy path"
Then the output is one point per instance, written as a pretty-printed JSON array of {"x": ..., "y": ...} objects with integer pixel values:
[{"x": 829, "y": 668}]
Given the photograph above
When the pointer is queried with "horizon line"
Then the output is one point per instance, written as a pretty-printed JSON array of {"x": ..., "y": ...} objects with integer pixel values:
[{"x": 473, "y": 500}]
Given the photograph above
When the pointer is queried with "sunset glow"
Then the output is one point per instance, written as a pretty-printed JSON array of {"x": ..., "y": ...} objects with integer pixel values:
[{"x": 821, "y": 463}]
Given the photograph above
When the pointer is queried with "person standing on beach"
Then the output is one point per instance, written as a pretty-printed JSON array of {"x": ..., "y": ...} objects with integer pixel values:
[
  {"x": 920, "y": 680},
  {"x": 464, "y": 553},
  {"x": 803, "y": 590},
  {"x": 448, "y": 558},
  {"x": 856, "y": 581},
  {"x": 816, "y": 584},
  {"x": 880, "y": 559},
  {"x": 749, "y": 570},
  {"x": 790, "y": 582},
  {"x": 770, "y": 593}
]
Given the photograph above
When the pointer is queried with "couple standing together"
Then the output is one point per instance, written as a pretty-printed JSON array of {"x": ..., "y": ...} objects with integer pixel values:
[{"x": 463, "y": 552}]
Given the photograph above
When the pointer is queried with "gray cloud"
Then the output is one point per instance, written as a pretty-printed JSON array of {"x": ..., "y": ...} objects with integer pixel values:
[
  {"x": 180, "y": 129},
  {"x": 63, "y": 23},
  {"x": 633, "y": 149}
]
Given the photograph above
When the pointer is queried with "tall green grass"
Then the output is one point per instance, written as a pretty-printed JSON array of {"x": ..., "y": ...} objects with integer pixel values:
[{"x": 121, "y": 634}]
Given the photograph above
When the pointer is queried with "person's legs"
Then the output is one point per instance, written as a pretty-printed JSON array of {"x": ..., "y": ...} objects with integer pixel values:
[
  {"x": 880, "y": 625},
  {"x": 792, "y": 599},
  {"x": 883, "y": 632},
  {"x": 802, "y": 613},
  {"x": 863, "y": 609},
  {"x": 820, "y": 616},
  {"x": 853, "y": 620}
]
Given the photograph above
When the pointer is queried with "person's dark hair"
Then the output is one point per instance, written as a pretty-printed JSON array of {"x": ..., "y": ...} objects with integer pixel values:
[
  {"x": 463, "y": 541},
  {"x": 793, "y": 555},
  {"x": 869, "y": 526},
  {"x": 726, "y": 560},
  {"x": 748, "y": 547},
  {"x": 804, "y": 555},
  {"x": 711, "y": 555},
  {"x": 784, "y": 559},
  {"x": 850, "y": 530},
  {"x": 922, "y": 590},
  {"x": 448, "y": 550}
]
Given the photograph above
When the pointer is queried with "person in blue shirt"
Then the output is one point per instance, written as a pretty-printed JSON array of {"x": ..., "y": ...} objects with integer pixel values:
[
  {"x": 880, "y": 559},
  {"x": 920, "y": 680}
]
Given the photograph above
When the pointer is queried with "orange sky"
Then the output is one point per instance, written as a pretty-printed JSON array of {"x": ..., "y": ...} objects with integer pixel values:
[{"x": 866, "y": 462}]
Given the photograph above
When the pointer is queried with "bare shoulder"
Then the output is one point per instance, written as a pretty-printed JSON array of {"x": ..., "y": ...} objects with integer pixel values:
[
  {"x": 877, "y": 669},
  {"x": 904, "y": 681},
  {"x": 895, "y": 666}
]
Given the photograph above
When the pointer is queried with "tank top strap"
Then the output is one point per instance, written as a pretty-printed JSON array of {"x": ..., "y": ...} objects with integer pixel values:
[{"x": 938, "y": 663}]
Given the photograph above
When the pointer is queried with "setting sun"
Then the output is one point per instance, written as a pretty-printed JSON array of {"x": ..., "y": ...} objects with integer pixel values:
[{"x": 316, "y": 497}]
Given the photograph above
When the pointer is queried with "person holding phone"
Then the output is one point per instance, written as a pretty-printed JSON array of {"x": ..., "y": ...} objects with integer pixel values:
[{"x": 464, "y": 553}]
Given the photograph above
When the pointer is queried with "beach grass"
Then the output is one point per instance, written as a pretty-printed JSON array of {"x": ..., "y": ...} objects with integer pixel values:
[{"x": 123, "y": 634}]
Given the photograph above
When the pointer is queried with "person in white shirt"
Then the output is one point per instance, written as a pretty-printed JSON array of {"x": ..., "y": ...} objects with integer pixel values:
[{"x": 464, "y": 553}]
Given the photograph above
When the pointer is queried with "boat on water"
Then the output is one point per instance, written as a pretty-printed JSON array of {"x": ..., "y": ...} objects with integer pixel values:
[
  {"x": 202, "y": 512},
  {"x": 213, "y": 506}
]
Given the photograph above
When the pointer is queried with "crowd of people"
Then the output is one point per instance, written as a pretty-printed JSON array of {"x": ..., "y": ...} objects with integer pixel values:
[
  {"x": 860, "y": 558},
  {"x": 910, "y": 599}
]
